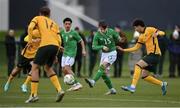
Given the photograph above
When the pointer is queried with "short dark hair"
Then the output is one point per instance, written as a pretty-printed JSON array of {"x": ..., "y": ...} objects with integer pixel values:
[
  {"x": 118, "y": 26},
  {"x": 102, "y": 24},
  {"x": 67, "y": 19},
  {"x": 45, "y": 11},
  {"x": 138, "y": 22}
]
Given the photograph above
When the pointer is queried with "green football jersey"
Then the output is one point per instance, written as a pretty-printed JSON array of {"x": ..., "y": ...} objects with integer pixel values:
[
  {"x": 70, "y": 40},
  {"x": 108, "y": 39}
]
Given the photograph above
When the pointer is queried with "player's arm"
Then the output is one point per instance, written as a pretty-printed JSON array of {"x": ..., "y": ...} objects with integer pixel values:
[
  {"x": 95, "y": 45},
  {"x": 117, "y": 37},
  {"x": 157, "y": 32},
  {"x": 31, "y": 27},
  {"x": 136, "y": 47},
  {"x": 83, "y": 47},
  {"x": 79, "y": 39},
  {"x": 60, "y": 43},
  {"x": 160, "y": 33}
]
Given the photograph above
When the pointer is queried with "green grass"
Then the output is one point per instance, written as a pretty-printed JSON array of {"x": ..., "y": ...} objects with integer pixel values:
[{"x": 147, "y": 95}]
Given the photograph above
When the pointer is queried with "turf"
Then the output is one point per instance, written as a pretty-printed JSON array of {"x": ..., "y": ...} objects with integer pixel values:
[{"x": 146, "y": 95}]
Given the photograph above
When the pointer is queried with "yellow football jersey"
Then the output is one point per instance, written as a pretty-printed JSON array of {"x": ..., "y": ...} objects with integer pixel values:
[
  {"x": 151, "y": 43},
  {"x": 49, "y": 30},
  {"x": 31, "y": 48}
]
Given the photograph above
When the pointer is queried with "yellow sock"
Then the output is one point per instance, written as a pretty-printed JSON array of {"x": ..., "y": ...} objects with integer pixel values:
[
  {"x": 153, "y": 80},
  {"x": 10, "y": 78},
  {"x": 27, "y": 79},
  {"x": 34, "y": 88},
  {"x": 137, "y": 73},
  {"x": 55, "y": 81}
]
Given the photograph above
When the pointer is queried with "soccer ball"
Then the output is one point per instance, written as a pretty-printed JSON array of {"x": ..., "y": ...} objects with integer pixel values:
[{"x": 69, "y": 79}]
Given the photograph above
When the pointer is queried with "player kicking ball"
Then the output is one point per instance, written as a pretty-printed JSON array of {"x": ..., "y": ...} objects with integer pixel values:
[
  {"x": 105, "y": 39},
  {"x": 148, "y": 37},
  {"x": 70, "y": 39}
]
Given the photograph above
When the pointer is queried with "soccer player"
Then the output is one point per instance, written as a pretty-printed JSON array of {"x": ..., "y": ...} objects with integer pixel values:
[
  {"x": 70, "y": 39},
  {"x": 46, "y": 53},
  {"x": 26, "y": 57},
  {"x": 105, "y": 39},
  {"x": 148, "y": 37}
]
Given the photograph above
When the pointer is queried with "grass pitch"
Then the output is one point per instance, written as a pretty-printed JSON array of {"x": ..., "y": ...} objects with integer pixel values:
[{"x": 146, "y": 95}]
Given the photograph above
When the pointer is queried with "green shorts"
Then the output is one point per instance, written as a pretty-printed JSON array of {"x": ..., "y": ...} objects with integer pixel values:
[
  {"x": 46, "y": 55},
  {"x": 23, "y": 62},
  {"x": 152, "y": 61}
]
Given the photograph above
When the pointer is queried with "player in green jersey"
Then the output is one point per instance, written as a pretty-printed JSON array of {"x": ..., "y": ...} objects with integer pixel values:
[
  {"x": 105, "y": 39},
  {"x": 70, "y": 39}
]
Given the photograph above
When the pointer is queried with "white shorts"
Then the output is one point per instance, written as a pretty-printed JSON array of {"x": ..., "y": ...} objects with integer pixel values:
[
  {"x": 109, "y": 57},
  {"x": 67, "y": 61}
]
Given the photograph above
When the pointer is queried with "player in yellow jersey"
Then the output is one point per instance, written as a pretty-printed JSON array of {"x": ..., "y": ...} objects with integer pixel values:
[
  {"x": 46, "y": 54},
  {"x": 26, "y": 57},
  {"x": 148, "y": 37}
]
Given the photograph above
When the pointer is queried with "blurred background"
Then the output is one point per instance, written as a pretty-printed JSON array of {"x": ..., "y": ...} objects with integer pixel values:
[{"x": 164, "y": 14}]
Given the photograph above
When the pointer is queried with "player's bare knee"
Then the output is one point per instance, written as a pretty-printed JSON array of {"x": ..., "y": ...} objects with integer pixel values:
[
  {"x": 46, "y": 68},
  {"x": 144, "y": 74},
  {"x": 67, "y": 69}
]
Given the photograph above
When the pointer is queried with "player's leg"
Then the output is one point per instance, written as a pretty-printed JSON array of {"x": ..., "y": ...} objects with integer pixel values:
[
  {"x": 106, "y": 60},
  {"x": 51, "y": 73},
  {"x": 76, "y": 85},
  {"x": 91, "y": 82},
  {"x": 54, "y": 79},
  {"x": 40, "y": 59},
  {"x": 98, "y": 75},
  {"x": 28, "y": 64},
  {"x": 24, "y": 85},
  {"x": 147, "y": 77},
  {"x": 108, "y": 82},
  {"x": 67, "y": 62},
  {"x": 137, "y": 73},
  {"x": 34, "y": 84},
  {"x": 14, "y": 72}
]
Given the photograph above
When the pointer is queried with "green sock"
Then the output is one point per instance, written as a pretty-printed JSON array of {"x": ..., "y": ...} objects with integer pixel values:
[
  {"x": 107, "y": 81},
  {"x": 99, "y": 73},
  {"x": 75, "y": 80}
]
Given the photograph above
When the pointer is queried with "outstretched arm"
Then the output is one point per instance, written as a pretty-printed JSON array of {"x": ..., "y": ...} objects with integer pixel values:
[
  {"x": 136, "y": 47},
  {"x": 83, "y": 47}
]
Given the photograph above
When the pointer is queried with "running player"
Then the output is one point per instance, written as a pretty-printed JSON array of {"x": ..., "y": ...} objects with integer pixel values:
[{"x": 70, "y": 39}]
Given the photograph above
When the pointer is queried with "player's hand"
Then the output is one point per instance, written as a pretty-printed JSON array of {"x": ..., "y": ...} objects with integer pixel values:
[
  {"x": 155, "y": 35},
  {"x": 119, "y": 48},
  {"x": 105, "y": 48},
  {"x": 84, "y": 52},
  {"x": 61, "y": 49},
  {"x": 56, "y": 60},
  {"x": 29, "y": 46}
]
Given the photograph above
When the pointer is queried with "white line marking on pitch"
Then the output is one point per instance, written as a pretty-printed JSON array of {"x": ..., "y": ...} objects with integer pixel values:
[
  {"x": 102, "y": 99},
  {"x": 130, "y": 100}
]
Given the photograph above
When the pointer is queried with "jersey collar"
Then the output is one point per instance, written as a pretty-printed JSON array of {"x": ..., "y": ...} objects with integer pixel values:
[{"x": 67, "y": 31}]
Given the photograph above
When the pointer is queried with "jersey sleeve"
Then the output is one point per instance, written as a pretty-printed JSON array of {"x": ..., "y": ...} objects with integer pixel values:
[
  {"x": 77, "y": 37},
  {"x": 31, "y": 26},
  {"x": 159, "y": 32},
  {"x": 95, "y": 45},
  {"x": 116, "y": 36},
  {"x": 26, "y": 39},
  {"x": 140, "y": 39},
  {"x": 136, "y": 47}
]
